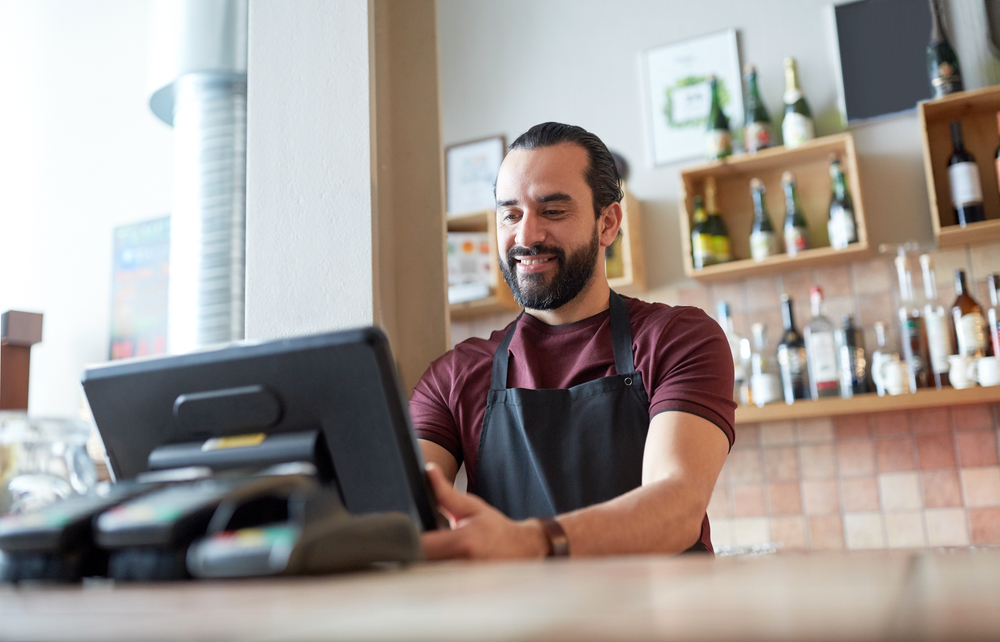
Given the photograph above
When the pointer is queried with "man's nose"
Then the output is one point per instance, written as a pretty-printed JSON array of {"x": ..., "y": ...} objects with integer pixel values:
[{"x": 530, "y": 230}]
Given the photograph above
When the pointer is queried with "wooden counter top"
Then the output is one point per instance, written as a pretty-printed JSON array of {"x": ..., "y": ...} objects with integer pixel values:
[{"x": 880, "y": 595}]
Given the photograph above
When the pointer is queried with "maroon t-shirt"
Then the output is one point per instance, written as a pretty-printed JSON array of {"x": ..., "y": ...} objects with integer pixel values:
[{"x": 682, "y": 353}]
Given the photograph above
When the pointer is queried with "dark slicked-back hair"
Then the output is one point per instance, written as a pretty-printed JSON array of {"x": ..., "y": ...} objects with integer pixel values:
[{"x": 601, "y": 174}]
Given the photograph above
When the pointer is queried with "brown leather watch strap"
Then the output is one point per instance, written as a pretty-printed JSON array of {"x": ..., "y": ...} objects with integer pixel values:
[{"x": 554, "y": 533}]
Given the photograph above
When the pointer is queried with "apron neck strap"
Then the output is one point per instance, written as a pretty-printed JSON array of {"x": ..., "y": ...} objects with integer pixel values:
[{"x": 621, "y": 343}]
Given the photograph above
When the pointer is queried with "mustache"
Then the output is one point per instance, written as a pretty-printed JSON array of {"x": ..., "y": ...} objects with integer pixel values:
[{"x": 534, "y": 250}]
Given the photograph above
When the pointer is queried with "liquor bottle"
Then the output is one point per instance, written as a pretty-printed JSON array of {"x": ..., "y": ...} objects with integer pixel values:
[
  {"x": 853, "y": 361},
  {"x": 912, "y": 336},
  {"x": 739, "y": 366},
  {"x": 877, "y": 356},
  {"x": 792, "y": 356},
  {"x": 716, "y": 226},
  {"x": 821, "y": 350},
  {"x": 936, "y": 324},
  {"x": 970, "y": 326},
  {"x": 701, "y": 240},
  {"x": 942, "y": 63},
  {"x": 718, "y": 137},
  {"x": 963, "y": 177},
  {"x": 763, "y": 240},
  {"x": 842, "y": 228},
  {"x": 797, "y": 126},
  {"x": 765, "y": 380},
  {"x": 993, "y": 314},
  {"x": 746, "y": 356},
  {"x": 796, "y": 229},
  {"x": 757, "y": 122}
]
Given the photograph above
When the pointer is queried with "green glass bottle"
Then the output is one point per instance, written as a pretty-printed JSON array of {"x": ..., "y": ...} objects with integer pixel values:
[
  {"x": 841, "y": 226},
  {"x": 942, "y": 62},
  {"x": 763, "y": 240},
  {"x": 716, "y": 226},
  {"x": 797, "y": 126},
  {"x": 796, "y": 229},
  {"x": 757, "y": 122},
  {"x": 718, "y": 137},
  {"x": 701, "y": 240}
]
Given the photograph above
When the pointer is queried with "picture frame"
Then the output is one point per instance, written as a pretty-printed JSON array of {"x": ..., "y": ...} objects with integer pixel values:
[
  {"x": 678, "y": 97},
  {"x": 470, "y": 174}
]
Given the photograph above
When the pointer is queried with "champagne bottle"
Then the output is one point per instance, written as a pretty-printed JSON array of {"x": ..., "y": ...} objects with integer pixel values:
[
  {"x": 716, "y": 226},
  {"x": 757, "y": 122},
  {"x": 796, "y": 229},
  {"x": 763, "y": 240},
  {"x": 970, "y": 326},
  {"x": 841, "y": 226},
  {"x": 936, "y": 323},
  {"x": 765, "y": 380},
  {"x": 821, "y": 350},
  {"x": 797, "y": 126},
  {"x": 719, "y": 139},
  {"x": 993, "y": 314},
  {"x": 963, "y": 178},
  {"x": 792, "y": 356},
  {"x": 942, "y": 63},
  {"x": 852, "y": 359},
  {"x": 701, "y": 241},
  {"x": 912, "y": 335}
]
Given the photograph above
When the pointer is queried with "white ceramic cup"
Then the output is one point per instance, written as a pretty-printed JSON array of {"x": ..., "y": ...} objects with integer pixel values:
[
  {"x": 891, "y": 374},
  {"x": 985, "y": 371},
  {"x": 959, "y": 371}
]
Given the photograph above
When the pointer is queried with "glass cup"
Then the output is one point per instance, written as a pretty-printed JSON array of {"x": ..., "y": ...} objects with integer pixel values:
[{"x": 42, "y": 460}]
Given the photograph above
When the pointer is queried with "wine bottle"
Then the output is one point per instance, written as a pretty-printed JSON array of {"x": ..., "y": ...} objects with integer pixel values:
[
  {"x": 936, "y": 324},
  {"x": 757, "y": 122},
  {"x": 841, "y": 226},
  {"x": 970, "y": 326},
  {"x": 912, "y": 335},
  {"x": 878, "y": 355},
  {"x": 763, "y": 240},
  {"x": 942, "y": 63},
  {"x": 796, "y": 229},
  {"x": 718, "y": 137},
  {"x": 821, "y": 350},
  {"x": 963, "y": 177},
  {"x": 852, "y": 359},
  {"x": 716, "y": 226},
  {"x": 701, "y": 241},
  {"x": 792, "y": 356},
  {"x": 739, "y": 367},
  {"x": 765, "y": 380},
  {"x": 797, "y": 126},
  {"x": 993, "y": 314}
]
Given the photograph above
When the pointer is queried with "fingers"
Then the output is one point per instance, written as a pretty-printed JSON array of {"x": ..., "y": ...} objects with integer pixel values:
[
  {"x": 445, "y": 545},
  {"x": 458, "y": 505}
]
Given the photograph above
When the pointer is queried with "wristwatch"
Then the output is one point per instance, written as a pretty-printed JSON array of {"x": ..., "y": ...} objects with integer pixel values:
[{"x": 556, "y": 536}]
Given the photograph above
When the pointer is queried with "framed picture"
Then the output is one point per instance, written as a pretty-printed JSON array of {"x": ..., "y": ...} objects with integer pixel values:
[
  {"x": 679, "y": 99},
  {"x": 471, "y": 169}
]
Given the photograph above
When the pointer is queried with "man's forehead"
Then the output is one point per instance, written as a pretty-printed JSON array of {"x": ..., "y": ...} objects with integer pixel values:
[{"x": 544, "y": 169}]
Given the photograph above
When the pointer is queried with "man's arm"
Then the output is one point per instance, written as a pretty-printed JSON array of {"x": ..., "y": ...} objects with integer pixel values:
[
  {"x": 435, "y": 454},
  {"x": 682, "y": 460}
]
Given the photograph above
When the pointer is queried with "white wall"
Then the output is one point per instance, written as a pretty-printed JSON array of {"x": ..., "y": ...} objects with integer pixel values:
[
  {"x": 508, "y": 65},
  {"x": 80, "y": 153}
]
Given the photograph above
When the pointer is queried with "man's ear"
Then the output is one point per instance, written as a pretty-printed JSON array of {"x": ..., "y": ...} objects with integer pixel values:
[{"x": 609, "y": 223}]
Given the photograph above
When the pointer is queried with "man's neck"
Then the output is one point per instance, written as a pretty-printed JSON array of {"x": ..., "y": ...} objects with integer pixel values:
[{"x": 593, "y": 299}]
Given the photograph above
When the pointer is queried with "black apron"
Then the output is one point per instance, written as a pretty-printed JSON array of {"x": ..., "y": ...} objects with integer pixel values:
[{"x": 546, "y": 452}]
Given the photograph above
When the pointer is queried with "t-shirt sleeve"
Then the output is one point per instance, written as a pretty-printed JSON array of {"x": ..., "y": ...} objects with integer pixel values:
[
  {"x": 694, "y": 370},
  {"x": 430, "y": 410}
]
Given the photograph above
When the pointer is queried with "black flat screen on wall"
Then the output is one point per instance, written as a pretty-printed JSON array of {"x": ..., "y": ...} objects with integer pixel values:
[{"x": 883, "y": 55}]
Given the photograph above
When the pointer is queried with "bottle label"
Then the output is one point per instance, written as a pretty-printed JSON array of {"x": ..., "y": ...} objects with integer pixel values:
[
  {"x": 795, "y": 240},
  {"x": 966, "y": 188},
  {"x": 720, "y": 247},
  {"x": 841, "y": 227},
  {"x": 792, "y": 362},
  {"x": 971, "y": 333},
  {"x": 823, "y": 356},
  {"x": 757, "y": 136},
  {"x": 946, "y": 80},
  {"x": 763, "y": 245},
  {"x": 719, "y": 143},
  {"x": 765, "y": 388},
  {"x": 938, "y": 339},
  {"x": 701, "y": 248},
  {"x": 797, "y": 129}
]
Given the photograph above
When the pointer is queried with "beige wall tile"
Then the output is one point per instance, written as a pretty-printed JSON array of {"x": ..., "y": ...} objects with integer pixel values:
[
  {"x": 872, "y": 276},
  {"x": 905, "y": 530},
  {"x": 732, "y": 293},
  {"x": 835, "y": 281},
  {"x": 748, "y": 500},
  {"x": 745, "y": 466},
  {"x": 930, "y": 420},
  {"x": 781, "y": 464},
  {"x": 718, "y": 506},
  {"x": 751, "y": 531},
  {"x": 722, "y": 532},
  {"x": 778, "y": 433},
  {"x": 900, "y": 492},
  {"x": 856, "y": 458},
  {"x": 976, "y": 417},
  {"x": 947, "y": 527},
  {"x": 821, "y": 497},
  {"x": 981, "y": 486},
  {"x": 765, "y": 293},
  {"x": 861, "y": 495},
  {"x": 818, "y": 461},
  {"x": 985, "y": 260},
  {"x": 789, "y": 532},
  {"x": 815, "y": 431},
  {"x": 747, "y": 437},
  {"x": 863, "y": 531},
  {"x": 826, "y": 532}
]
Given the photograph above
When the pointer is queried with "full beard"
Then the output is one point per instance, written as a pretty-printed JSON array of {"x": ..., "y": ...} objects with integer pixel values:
[{"x": 532, "y": 291}]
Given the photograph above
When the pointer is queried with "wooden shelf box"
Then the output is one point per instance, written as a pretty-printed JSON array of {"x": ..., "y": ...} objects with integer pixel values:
[
  {"x": 811, "y": 165},
  {"x": 977, "y": 111}
]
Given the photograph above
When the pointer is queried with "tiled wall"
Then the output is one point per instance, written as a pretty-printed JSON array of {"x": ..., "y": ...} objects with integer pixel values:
[{"x": 885, "y": 480}]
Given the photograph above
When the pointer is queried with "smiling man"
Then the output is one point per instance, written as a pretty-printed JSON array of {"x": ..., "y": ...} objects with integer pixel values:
[{"x": 594, "y": 424}]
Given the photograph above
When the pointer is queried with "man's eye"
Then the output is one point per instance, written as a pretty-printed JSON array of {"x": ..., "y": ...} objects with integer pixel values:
[{"x": 553, "y": 212}]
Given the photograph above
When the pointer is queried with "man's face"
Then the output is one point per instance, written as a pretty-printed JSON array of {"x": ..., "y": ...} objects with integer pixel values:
[{"x": 547, "y": 235}]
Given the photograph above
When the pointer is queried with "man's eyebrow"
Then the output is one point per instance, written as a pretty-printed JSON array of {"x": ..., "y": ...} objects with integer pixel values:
[
  {"x": 508, "y": 203},
  {"x": 556, "y": 197}
]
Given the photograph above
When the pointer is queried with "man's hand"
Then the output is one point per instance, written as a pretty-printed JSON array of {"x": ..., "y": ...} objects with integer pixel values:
[{"x": 478, "y": 531}]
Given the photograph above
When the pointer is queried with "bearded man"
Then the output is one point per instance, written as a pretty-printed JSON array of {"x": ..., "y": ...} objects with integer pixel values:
[{"x": 594, "y": 424}]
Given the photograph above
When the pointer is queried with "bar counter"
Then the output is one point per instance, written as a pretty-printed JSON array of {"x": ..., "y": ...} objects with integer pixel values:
[{"x": 919, "y": 595}]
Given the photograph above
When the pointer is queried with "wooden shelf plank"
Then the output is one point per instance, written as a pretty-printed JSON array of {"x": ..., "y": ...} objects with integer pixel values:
[
  {"x": 480, "y": 308},
  {"x": 781, "y": 263},
  {"x": 982, "y": 232},
  {"x": 867, "y": 403}
]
